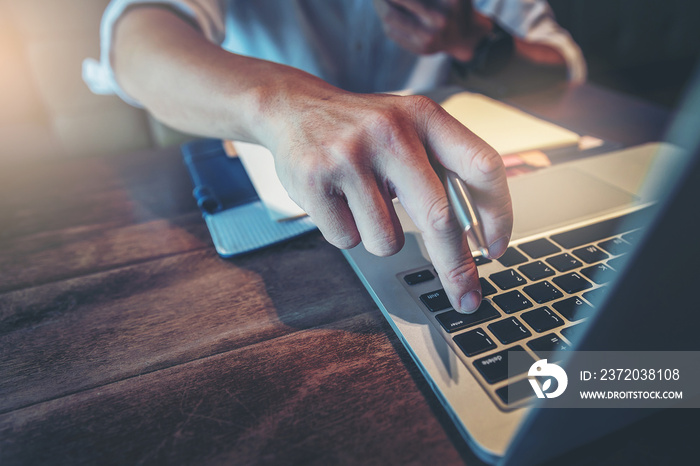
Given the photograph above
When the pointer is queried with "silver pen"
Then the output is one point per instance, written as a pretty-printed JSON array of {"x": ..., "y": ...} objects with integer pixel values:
[{"x": 463, "y": 207}]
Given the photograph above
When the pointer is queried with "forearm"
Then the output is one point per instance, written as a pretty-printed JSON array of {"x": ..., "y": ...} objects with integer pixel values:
[
  {"x": 541, "y": 54},
  {"x": 481, "y": 26},
  {"x": 194, "y": 85},
  {"x": 453, "y": 27},
  {"x": 341, "y": 156}
]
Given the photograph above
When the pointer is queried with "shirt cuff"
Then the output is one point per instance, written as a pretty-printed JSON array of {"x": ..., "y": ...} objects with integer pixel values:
[{"x": 549, "y": 33}]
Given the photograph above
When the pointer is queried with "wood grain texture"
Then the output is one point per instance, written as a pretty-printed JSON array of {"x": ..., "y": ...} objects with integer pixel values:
[
  {"x": 336, "y": 394},
  {"x": 111, "y": 191},
  {"x": 62, "y": 219},
  {"x": 70, "y": 252},
  {"x": 125, "y": 339},
  {"x": 76, "y": 334}
]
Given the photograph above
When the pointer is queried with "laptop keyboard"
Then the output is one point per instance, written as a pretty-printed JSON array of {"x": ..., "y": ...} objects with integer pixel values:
[{"x": 534, "y": 299}]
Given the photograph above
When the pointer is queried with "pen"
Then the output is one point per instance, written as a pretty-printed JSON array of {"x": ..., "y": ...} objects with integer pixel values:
[{"x": 463, "y": 207}]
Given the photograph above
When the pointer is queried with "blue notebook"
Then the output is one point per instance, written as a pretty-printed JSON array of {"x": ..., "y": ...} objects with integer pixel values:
[{"x": 236, "y": 218}]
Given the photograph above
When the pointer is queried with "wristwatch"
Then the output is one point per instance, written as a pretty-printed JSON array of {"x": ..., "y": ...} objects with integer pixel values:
[{"x": 491, "y": 54}]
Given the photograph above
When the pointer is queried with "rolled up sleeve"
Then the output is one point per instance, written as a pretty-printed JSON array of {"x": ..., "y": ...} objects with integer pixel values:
[
  {"x": 533, "y": 21},
  {"x": 98, "y": 74}
]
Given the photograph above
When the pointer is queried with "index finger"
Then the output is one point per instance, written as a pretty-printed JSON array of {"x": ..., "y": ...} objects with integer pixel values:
[
  {"x": 422, "y": 194},
  {"x": 455, "y": 147}
]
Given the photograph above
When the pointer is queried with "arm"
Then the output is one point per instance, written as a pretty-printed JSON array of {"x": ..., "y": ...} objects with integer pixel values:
[
  {"x": 341, "y": 156},
  {"x": 450, "y": 26},
  {"x": 187, "y": 82}
]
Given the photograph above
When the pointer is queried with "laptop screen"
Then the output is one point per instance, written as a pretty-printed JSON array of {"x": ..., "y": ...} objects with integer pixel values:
[{"x": 653, "y": 305}]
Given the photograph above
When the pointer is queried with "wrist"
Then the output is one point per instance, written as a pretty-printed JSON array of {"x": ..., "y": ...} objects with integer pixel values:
[
  {"x": 541, "y": 54},
  {"x": 493, "y": 53},
  {"x": 479, "y": 27},
  {"x": 279, "y": 99},
  {"x": 266, "y": 100}
]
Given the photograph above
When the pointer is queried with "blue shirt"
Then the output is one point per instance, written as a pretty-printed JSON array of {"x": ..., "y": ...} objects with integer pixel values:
[{"x": 340, "y": 41}]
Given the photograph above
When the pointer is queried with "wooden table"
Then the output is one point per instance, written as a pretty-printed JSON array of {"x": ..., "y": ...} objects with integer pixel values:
[{"x": 124, "y": 338}]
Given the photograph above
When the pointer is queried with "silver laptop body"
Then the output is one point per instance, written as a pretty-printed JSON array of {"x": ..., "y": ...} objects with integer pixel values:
[{"x": 546, "y": 202}]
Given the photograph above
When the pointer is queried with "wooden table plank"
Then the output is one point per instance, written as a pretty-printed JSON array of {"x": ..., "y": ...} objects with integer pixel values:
[
  {"x": 71, "y": 252},
  {"x": 124, "y": 338},
  {"x": 342, "y": 393},
  {"x": 75, "y": 334},
  {"x": 336, "y": 394},
  {"x": 110, "y": 191},
  {"x": 67, "y": 218}
]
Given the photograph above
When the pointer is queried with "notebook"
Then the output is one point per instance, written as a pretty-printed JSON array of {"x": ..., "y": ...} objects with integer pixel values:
[
  {"x": 486, "y": 117},
  {"x": 237, "y": 219},
  {"x": 599, "y": 248}
]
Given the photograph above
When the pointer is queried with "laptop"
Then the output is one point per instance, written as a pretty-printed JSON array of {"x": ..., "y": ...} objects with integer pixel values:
[{"x": 599, "y": 251}]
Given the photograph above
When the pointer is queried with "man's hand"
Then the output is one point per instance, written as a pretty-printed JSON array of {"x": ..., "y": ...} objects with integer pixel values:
[
  {"x": 343, "y": 156},
  {"x": 430, "y": 26},
  {"x": 451, "y": 26}
]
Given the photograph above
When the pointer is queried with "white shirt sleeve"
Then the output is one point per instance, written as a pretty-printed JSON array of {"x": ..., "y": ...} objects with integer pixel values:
[
  {"x": 533, "y": 21},
  {"x": 99, "y": 75}
]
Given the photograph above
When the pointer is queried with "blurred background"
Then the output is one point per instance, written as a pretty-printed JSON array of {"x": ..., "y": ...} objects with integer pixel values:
[
  {"x": 46, "y": 110},
  {"x": 646, "y": 48}
]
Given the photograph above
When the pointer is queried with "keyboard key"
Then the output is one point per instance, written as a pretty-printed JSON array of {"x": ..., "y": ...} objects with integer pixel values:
[
  {"x": 539, "y": 248},
  {"x": 615, "y": 246},
  {"x": 547, "y": 344},
  {"x": 542, "y": 319},
  {"x": 494, "y": 368},
  {"x": 481, "y": 260},
  {"x": 487, "y": 288},
  {"x": 512, "y": 257},
  {"x": 564, "y": 262},
  {"x": 573, "y": 308},
  {"x": 511, "y": 302},
  {"x": 509, "y": 330},
  {"x": 512, "y": 393},
  {"x": 617, "y": 263},
  {"x": 572, "y": 283},
  {"x": 599, "y": 273},
  {"x": 543, "y": 292},
  {"x": 436, "y": 300},
  {"x": 596, "y": 296},
  {"x": 419, "y": 277},
  {"x": 573, "y": 333},
  {"x": 633, "y": 237},
  {"x": 507, "y": 279},
  {"x": 452, "y": 321},
  {"x": 590, "y": 254},
  {"x": 601, "y": 230},
  {"x": 474, "y": 342},
  {"x": 536, "y": 270}
]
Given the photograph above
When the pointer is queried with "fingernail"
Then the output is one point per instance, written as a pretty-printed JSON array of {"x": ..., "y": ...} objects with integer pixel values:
[
  {"x": 470, "y": 302},
  {"x": 498, "y": 247}
]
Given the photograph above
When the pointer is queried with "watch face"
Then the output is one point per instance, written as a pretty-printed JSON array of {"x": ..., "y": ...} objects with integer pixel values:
[{"x": 494, "y": 52}]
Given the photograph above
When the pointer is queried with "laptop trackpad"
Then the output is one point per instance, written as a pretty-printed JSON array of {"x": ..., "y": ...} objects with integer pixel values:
[{"x": 560, "y": 196}]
